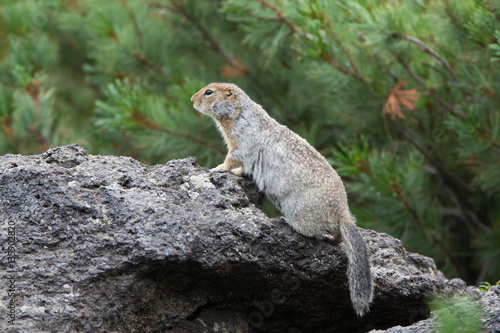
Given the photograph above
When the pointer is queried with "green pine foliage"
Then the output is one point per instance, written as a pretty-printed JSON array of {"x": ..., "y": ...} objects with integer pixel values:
[
  {"x": 457, "y": 314},
  {"x": 402, "y": 97}
]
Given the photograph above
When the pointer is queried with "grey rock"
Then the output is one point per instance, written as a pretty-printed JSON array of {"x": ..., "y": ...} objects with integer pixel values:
[
  {"x": 107, "y": 244},
  {"x": 490, "y": 304}
]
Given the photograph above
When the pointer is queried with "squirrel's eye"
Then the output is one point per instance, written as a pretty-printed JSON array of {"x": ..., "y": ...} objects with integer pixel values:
[{"x": 208, "y": 92}]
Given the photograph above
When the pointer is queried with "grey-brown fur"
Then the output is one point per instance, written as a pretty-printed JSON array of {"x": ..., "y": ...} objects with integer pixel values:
[{"x": 292, "y": 174}]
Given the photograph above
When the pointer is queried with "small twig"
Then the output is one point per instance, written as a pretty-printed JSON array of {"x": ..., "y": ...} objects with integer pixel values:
[
  {"x": 139, "y": 55},
  {"x": 421, "y": 45},
  {"x": 137, "y": 30},
  {"x": 281, "y": 17},
  {"x": 130, "y": 149},
  {"x": 453, "y": 19},
  {"x": 443, "y": 74},
  {"x": 213, "y": 42},
  {"x": 354, "y": 75},
  {"x": 452, "y": 180},
  {"x": 344, "y": 50},
  {"x": 420, "y": 224},
  {"x": 484, "y": 269},
  {"x": 467, "y": 215},
  {"x": 348, "y": 56},
  {"x": 160, "y": 5},
  {"x": 188, "y": 136},
  {"x": 143, "y": 122},
  {"x": 437, "y": 164},
  {"x": 201, "y": 127},
  {"x": 491, "y": 10},
  {"x": 329, "y": 59},
  {"x": 38, "y": 137},
  {"x": 157, "y": 68}
]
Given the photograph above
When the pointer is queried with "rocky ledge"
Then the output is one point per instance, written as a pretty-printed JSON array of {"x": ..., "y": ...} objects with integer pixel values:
[{"x": 107, "y": 244}]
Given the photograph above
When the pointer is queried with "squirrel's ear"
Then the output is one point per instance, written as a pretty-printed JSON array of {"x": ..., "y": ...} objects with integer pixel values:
[{"x": 229, "y": 93}]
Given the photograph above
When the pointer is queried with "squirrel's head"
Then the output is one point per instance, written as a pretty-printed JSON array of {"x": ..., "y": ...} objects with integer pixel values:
[{"x": 219, "y": 100}]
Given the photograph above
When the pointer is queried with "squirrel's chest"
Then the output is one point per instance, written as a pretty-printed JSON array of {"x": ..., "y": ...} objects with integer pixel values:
[{"x": 225, "y": 127}]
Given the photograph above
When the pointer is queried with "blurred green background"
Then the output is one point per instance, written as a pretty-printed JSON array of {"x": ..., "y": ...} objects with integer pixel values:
[{"x": 402, "y": 97}]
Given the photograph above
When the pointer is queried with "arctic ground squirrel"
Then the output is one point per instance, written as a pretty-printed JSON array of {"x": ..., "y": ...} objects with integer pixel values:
[{"x": 292, "y": 174}]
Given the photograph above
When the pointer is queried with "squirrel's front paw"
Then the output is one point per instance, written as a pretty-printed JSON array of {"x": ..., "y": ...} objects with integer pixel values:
[{"x": 220, "y": 168}]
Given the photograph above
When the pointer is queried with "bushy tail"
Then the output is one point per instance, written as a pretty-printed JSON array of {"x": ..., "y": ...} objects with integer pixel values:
[{"x": 358, "y": 270}]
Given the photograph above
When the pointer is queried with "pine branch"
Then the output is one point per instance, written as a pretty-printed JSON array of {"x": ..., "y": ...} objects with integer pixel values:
[
  {"x": 327, "y": 57},
  {"x": 481, "y": 132},
  {"x": 421, "y": 82},
  {"x": 140, "y": 39},
  {"x": 456, "y": 184}
]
